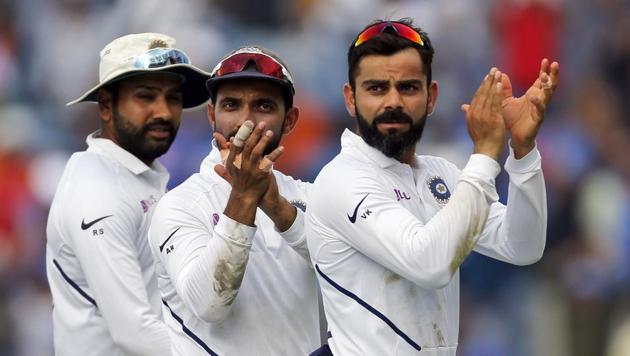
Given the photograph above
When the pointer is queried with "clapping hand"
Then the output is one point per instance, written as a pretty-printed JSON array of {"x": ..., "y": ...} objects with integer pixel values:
[
  {"x": 483, "y": 116},
  {"x": 524, "y": 115}
]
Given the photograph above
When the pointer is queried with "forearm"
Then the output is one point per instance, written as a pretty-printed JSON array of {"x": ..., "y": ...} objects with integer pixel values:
[
  {"x": 395, "y": 237},
  {"x": 148, "y": 337},
  {"x": 241, "y": 207},
  {"x": 295, "y": 236},
  {"x": 119, "y": 290},
  {"x": 113, "y": 270},
  {"x": 516, "y": 233},
  {"x": 280, "y": 211},
  {"x": 210, "y": 283},
  {"x": 134, "y": 326},
  {"x": 288, "y": 220},
  {"x": 442, "y": 245},
  {"x": 521, "y": 149},
  {"x": 525, "y": 226}
]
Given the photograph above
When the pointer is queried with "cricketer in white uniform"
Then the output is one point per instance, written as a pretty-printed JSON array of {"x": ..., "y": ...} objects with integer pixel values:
[
  {"x": 387, "y": 229},
  {"x": 232, "y": 287},
  {"x": 99, "y": 264}
]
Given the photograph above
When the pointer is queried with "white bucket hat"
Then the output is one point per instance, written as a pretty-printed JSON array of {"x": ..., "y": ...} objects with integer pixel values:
[{"x": 144, "y": 53}]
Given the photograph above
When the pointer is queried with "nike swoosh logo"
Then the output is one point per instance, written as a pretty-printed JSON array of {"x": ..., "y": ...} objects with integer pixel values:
[
  {"x": 353, "y": 218},
  {"x": 85, "y": 226},
  {"x": 168, "y": 238}
]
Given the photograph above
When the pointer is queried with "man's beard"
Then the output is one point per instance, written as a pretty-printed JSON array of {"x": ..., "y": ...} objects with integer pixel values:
[
  {"x": 134, "y": 140},
  {"x": 393, "y": 144}
]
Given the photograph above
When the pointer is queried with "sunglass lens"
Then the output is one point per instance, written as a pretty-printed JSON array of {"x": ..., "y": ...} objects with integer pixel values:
[
  {"x": 238, "y": 62},
  {"x": 408, "y": 33},
  {"x": 231, "y": 65},
  {"x": 268, "y": 66},
  {"x": 369, "y": 33},
  {"x": 401, "y": 30},
  {"x": 160, "y": 57}
]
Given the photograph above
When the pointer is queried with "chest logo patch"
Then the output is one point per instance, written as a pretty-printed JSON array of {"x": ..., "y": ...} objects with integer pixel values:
[
  {"x": 353, "y": 218},
  {"x": 147, "y": 203},
  {"x": 438, "y": 188},
  {"x": 401, "y": 195},
  {"x": 298, "y": 204}
]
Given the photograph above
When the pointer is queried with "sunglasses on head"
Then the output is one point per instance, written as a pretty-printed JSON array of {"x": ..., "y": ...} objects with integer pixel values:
[
  {"x": 264, "y": 64},
  {"x": 160, "y": 57},
  {"x": 398, "y": 28}
]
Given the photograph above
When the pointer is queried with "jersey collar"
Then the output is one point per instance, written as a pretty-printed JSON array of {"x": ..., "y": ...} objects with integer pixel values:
[
  {"x": 120, "y": 155},
  {"x": 350, "y": 141},
  {"x": 212, "y": 159}
]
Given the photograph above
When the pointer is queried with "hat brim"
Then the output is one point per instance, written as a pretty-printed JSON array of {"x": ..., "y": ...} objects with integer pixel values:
[
  {"x": 194, "y": 91},
  {"x": 287, "y": 89}
]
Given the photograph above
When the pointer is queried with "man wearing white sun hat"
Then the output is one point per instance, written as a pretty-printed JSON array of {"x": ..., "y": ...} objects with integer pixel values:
[{"x": 99, "y": 265}]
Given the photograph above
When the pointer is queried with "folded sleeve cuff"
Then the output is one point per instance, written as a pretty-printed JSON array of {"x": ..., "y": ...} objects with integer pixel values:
[
  {"x": 295, "y": 234},
  {"x": 235, "y": 232},
  {"x": 482, "y": 166},
  {"x": 531, "y": 162}
]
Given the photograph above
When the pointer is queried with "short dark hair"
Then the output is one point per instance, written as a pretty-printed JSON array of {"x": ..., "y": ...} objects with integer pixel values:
[
  {"x": 388, "y": 44},
  {"x": 113, "y": 89}
]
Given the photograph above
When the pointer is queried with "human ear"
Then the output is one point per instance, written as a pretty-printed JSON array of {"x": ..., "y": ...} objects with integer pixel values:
[{"x": 349, "y": 99}]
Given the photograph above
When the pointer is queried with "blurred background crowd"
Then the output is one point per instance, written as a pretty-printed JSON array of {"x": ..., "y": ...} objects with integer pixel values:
[{"x": 575, "y": 301}]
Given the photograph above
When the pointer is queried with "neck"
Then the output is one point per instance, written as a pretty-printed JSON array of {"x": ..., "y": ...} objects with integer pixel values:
[
  {"x": 408, "y": 156},
  {"x": 107, "y": 134}
]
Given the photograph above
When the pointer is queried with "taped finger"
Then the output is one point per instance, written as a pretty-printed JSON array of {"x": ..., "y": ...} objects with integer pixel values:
[{"x": 243, "y": 133}]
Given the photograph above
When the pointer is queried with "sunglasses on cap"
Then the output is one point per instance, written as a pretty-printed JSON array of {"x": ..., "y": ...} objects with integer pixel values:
[
  {"x": 400, "y": 29},
  {"x": 264, "y": 64},
  {"x": 160, "y": 57}
]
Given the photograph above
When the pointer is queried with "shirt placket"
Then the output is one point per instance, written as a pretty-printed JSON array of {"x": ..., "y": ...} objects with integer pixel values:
[{"x": 407, "y": 191}]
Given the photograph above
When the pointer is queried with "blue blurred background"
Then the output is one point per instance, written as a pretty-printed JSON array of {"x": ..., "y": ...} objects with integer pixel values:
[{"x": 575, "y": 301}]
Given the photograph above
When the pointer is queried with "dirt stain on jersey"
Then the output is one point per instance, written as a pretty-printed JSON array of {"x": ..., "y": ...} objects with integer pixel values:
[
  {"x": 390, "y": 277},
  {"x": 438, "y": 335},
  {"x": 465, "y": 247},
  {"x": 412, "y": 293},
  {"x": 228, "y": 277}
]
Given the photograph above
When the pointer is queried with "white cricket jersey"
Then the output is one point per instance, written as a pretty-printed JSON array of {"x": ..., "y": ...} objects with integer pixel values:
[
  {"x": 387, "y": 239},
  {"x": 275, "y": 311},
  {"x": 98, "y": 261}
]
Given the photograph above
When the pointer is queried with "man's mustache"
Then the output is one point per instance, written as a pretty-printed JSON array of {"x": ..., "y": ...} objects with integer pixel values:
[
  {"x": 159, "y": 124},
  {"x": 393, "y": 116}
]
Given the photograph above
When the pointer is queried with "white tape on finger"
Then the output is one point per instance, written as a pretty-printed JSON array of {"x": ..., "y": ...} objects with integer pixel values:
[{"x": 243, "y": 133}]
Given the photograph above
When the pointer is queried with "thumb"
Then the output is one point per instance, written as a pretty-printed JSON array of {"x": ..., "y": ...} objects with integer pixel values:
[
  {"x": 222, "y": 143},
  {"x": 223, "y": 172},
  {"x": 507, "y": 86},
  {"x": 465, "y": 108}
]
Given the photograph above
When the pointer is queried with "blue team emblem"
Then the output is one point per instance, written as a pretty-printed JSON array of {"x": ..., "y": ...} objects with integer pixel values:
[
  {"x": 439, "y": 189},
  {"x": 298, "y": 204}
]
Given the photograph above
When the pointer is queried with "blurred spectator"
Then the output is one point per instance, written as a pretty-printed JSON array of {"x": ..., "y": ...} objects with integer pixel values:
[
  {"x": 573, "y": 302},
  {"x": 8, "y": 49},
  {"x": 527, "y": 31}
]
